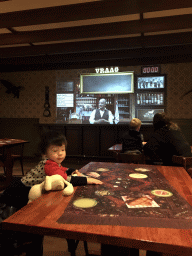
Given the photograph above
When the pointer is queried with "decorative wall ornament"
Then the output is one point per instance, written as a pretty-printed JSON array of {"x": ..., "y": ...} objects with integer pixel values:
[
  {"x": 46, "y": 112},
  {"x": 15, "y": 90}
]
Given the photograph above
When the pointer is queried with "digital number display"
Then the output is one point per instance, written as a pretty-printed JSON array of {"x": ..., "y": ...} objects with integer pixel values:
[{"x": 150, "y": 70}]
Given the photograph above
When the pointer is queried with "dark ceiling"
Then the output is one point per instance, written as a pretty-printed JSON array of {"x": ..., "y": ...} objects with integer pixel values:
[{"x": 97, "y": 33}]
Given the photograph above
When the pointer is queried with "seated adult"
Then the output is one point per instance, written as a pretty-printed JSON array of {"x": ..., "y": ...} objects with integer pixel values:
[
  {"x": 166, "y": 141},
  {"x": 101, "y": 115},
  {"x": 132, "y": 139}
]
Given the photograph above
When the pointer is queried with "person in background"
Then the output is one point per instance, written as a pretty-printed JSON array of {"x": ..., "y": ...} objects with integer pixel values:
[
  {"x": 166, "y": 141},
  {"x": 132, "y": 139},
  {"x": 101, "y": 115}
]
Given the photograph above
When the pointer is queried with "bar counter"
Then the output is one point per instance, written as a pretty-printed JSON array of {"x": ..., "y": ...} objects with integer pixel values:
[
  {"x": 93, "y": 140},
  {"x": 84, "y": 140}
]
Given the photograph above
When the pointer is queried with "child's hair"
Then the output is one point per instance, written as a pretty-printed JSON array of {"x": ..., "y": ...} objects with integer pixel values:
[
  {"x": 51, "y": 138},
  {"x": 135, "y": 123}
]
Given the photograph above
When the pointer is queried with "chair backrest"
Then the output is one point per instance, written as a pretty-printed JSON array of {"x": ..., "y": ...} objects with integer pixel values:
[
  {"x": 17, "y": 151},
  {"x": 116, "y": 155},
  {"x": 131, "y": 158},
  {"x": 184, "y": 161}
]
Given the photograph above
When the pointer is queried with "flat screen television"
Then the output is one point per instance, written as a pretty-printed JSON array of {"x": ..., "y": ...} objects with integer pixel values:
[
  {"x": 110, "y": 83},
  {"x": 151, "y": 82},
  {"x": 146, "y": 115}
]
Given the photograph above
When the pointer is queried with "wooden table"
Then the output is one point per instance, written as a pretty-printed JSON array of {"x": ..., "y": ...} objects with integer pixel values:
[
  {"x": 7, "y": 145},
  {"x": 40, "y": 217},
  {"x": 116, "y": 148}
]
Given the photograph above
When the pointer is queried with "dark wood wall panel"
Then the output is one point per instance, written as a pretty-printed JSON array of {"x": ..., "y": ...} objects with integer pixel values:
[
  {"x": 107, "y": 138},
  {"x": 74, "y": 140},
  {"x": 91, "y": 140}
]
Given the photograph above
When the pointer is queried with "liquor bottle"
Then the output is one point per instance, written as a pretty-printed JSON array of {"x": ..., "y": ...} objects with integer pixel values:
[
  {"x": 144, "y": 84},
  {"x": 155, "y": 99},
  {"x": 152, "y": 99},
  {"x": 138, "y": 99},
  {"x": 144, "y": 101},
  {"x": 147, "y": 99},
  {"x": 161, "y": 99},
  {"x": 158, "y": 99},
  {"x": 139, "y": 83},
  {"x": 141, "y": 99}
]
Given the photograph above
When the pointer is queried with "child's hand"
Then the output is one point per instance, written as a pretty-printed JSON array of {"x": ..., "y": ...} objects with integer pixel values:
[
  {"x": 93, "y": 181},
  {"x": 77, "y": 173}
]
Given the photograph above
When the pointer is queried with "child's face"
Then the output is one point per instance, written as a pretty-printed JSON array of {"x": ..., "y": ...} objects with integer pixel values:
[{"x": 56, "y": 153}]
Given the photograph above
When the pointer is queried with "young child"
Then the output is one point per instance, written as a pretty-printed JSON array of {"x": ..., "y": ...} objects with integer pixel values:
[
  {"x": 53, "y": 149},
  {"x": 132, "y": 139}
]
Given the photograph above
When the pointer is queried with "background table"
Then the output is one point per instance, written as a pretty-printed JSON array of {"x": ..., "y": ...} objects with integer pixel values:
[
  {"x": 7, "y": 145},
  {"x": 116, "y": 148},
  {"x": 41, "y": 217}
]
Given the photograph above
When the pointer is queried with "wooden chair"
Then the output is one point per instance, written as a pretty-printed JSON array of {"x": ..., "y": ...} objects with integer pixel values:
[
  {"x": 18, "y": 243},
  {"x": 4, "y": 182},
  {"x": 185, "y": 162},
  {"x": 116, "y": 156},
  {"x": 17, "y": 154},
  {"x": 131, "y": 158}
]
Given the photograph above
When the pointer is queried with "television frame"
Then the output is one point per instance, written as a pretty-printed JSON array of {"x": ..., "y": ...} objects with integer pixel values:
[
  {"x": 151, "y": 76},
  {"x": 128, "y": 73},
  {"x": 149, "y": 120}
]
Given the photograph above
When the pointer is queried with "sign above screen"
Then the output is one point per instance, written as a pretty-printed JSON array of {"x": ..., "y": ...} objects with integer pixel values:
[{"x": 115, "y": 83}]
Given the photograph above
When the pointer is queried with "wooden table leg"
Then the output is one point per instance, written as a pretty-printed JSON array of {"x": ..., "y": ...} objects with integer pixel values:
[
  {"x": 8, "y": 163},
  {"x": 107, "y": 249}
]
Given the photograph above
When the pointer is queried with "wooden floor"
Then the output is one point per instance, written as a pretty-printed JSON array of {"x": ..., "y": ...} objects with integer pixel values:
[{"x": 58, "y": 246}]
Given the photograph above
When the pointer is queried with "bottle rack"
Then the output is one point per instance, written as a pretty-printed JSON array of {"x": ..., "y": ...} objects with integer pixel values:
[
  {"x": 85, "y": 106},
  {"x": 124, "y": 106},
  {"x": 150, "y": 98}
]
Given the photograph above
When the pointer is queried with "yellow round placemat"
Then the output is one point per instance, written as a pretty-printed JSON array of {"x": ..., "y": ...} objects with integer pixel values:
[
  {"x": 138, "y": 175},
  {"x": 102, "y": 170},
  {"x": 142, "y": 170},
  {"x": 161, "y": 193},
  {"x": 85, "y": 203}
]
